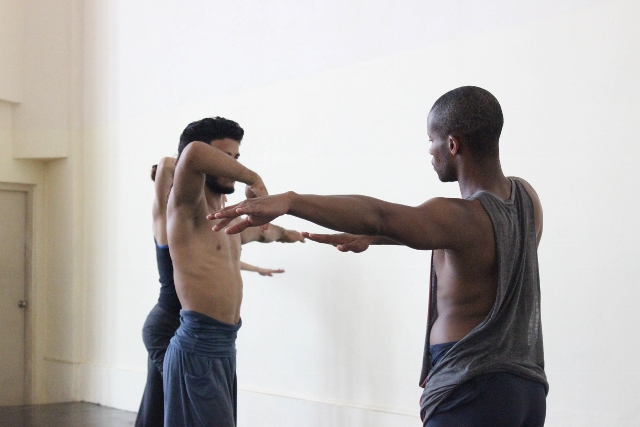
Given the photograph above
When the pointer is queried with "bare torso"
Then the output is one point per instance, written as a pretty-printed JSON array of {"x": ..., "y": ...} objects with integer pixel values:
[{"x": 206, "y": 264}]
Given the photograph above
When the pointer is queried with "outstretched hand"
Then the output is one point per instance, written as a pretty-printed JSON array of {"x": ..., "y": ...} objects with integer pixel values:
[
  {"x": 268, "y": 272},
  {"x": 344, "y": 242},
  {"x": 259, "y": 211},
  {"x": 291, "y": 236}
]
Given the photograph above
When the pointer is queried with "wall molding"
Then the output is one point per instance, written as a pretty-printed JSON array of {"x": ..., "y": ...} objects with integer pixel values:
[
  {"x": 364, "y": 407},
  {"x": 93, "y": 364}
]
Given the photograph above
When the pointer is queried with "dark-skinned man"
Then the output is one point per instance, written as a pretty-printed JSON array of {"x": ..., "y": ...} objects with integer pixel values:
[{"x": 484, "y": 360}]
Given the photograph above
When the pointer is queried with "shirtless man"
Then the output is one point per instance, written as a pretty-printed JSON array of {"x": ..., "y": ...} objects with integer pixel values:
[
  {"x": 484, "y": 362},
  {"x": 164, "y": 318},
  {"x": 199, "y": 365}
]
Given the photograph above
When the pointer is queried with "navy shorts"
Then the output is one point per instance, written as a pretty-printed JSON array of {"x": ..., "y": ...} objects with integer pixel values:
[
  {"x": 493, "y": 400},
  {"x": 497, "y": 399},
  {"x": 159, "y": 328}
]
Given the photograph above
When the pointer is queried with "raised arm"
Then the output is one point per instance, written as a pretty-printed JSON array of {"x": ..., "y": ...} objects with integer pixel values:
[
  {"x": 163, "y": 179},
  {"x": 199, "y": 159},
  {"x": 437, "y": 223}
]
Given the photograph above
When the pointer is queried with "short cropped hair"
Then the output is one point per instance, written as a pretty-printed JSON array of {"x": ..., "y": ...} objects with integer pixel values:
[
  {"x": 471, "y": 114},
  {"x": 210, "y": 129}
]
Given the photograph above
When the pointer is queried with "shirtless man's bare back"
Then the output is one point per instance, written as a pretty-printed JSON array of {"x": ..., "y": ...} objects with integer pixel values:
[
  {"x": 199, "y": 367},
  {"x": 484, "y": 315}
]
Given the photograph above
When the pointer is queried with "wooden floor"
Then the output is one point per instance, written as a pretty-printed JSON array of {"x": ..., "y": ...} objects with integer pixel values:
[{"x": 75, "y": 414}]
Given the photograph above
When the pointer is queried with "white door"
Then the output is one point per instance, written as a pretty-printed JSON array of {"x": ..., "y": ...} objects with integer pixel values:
[{"x": 13, "y": 222}]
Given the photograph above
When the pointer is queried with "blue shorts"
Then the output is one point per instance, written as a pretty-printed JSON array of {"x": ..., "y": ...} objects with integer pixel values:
[{"x": 200, "y": 386}]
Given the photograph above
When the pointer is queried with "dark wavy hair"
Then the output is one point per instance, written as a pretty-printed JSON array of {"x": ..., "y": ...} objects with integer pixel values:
[
  {"x": 471, "y": 114},
  {"x": 210, "y": 129}
]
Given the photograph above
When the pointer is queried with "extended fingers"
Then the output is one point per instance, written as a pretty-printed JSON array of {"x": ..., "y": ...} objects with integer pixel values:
[
  {"x": 228, "y": 212},
  {"x": 343, "y": 242},
  {"x": 321, "y": 238},
  {"x": 237, "y": 227},
  {"x": 222, "y": 224},
  {"x": 330, "y": 239},
  {"x": 355, "y": 247},
  {"x": 348, "y": 247},
  {"x": 225, "y": 216}
]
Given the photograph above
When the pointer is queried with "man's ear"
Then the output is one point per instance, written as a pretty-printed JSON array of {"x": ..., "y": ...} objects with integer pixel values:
[{"x": 453, "y": 145}]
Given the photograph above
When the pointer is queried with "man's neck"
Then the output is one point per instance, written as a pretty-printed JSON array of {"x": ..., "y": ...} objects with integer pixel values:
[
  {"x": 215, "y": 201},
  {"x": 483, "y": 176}
]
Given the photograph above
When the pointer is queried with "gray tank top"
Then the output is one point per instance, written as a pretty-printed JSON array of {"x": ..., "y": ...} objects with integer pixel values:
[{"x": 510, "y": 338}]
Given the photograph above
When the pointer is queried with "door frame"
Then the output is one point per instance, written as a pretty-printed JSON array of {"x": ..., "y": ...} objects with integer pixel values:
[{"x": 29, "y": 318}]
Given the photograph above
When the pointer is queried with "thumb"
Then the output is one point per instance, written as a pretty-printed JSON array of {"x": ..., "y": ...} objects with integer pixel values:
[{"x": 351, "y": 247}]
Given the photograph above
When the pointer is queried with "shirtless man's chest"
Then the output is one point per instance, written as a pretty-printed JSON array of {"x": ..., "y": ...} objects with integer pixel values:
[{"x": 207, "y": 269}]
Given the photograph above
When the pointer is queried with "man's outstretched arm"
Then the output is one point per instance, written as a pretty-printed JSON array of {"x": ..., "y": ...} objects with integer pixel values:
[
  {"x": 261, "y": 271},
  {"x": 437, "y": 223},
  {"x": 199, "y": 159}
]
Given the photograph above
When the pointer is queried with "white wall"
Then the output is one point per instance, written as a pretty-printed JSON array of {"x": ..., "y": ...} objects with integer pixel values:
[
  {"x": 29, "y": 86},
  {"x": 11, "y": 50},
  {"x": 335, "y": 101}
]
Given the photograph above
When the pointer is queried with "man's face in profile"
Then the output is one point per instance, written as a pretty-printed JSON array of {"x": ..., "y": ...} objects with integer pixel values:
[{"x": 441, "y": 158}]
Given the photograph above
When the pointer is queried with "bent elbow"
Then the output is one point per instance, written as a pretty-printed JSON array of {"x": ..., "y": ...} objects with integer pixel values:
[
  {"x": 167, "y": 163},
  {"x": 190, "y": 154}
]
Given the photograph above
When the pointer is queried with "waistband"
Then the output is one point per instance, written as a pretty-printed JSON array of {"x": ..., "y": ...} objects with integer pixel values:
[
  {"x": 202, "y": 335},
  {"x": 438, "y": 351}
]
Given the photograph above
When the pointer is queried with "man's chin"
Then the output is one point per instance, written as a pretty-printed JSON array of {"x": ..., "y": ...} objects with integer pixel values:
[
  {"x": 220, "y": 189},
  {"x": 447, "y": 178},
  {"x": 216, "y": 187}
]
